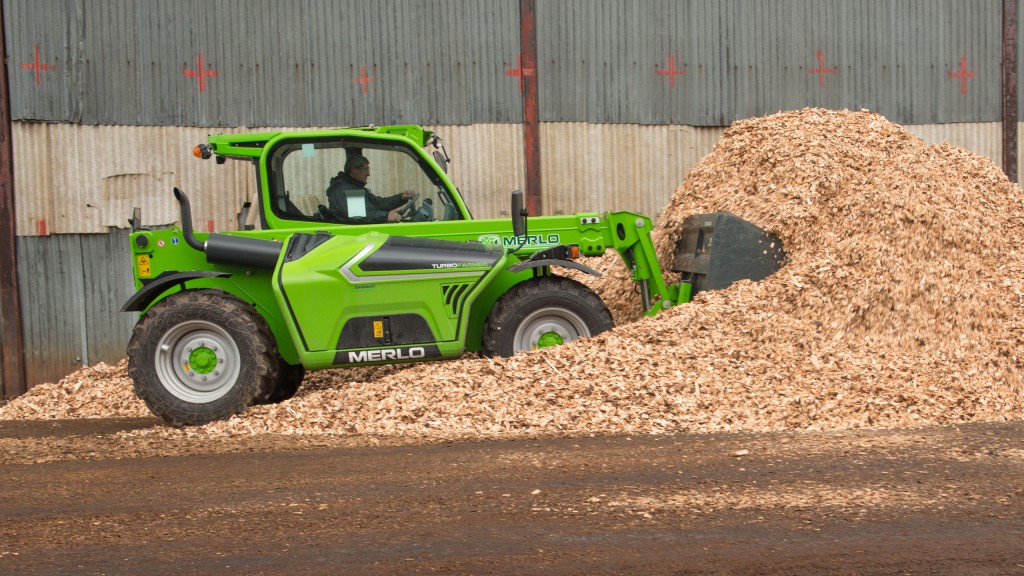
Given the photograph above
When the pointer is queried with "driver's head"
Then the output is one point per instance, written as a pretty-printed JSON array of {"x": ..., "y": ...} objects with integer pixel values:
[{"x": 358, "y": 167}]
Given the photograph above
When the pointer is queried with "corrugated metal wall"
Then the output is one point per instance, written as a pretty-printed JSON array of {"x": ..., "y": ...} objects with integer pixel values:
[
  {"x": 72, "y": 289},
  {"x": 618, "y": 167},
  {"x": 264, "y": 62},
  {"x": 710, "y": 62},
  {"x": 346, "y": 62},
  {"x": 74, "y": 178},
  {"x": 983, "y": 139},
  {"x": 87, "y": 179}
]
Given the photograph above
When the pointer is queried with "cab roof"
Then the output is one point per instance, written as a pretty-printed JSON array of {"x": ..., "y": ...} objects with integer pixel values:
[{"x": 251, "y": 145}]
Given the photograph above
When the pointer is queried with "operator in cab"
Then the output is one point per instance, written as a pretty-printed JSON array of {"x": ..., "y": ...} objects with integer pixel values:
[{"x": 351, "y": 201}]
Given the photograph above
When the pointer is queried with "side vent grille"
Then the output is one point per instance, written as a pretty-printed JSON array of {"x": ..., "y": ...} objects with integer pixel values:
[{"x": 454, "y": 298}]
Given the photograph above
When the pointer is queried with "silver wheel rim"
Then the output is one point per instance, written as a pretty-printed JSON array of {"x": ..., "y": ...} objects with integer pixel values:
[
  {"x": 566, "y": 324},
  {"x": 197, "y": 340}
]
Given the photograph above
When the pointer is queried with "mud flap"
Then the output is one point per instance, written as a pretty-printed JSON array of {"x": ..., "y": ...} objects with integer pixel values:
[{"x": 719, "y": 248}]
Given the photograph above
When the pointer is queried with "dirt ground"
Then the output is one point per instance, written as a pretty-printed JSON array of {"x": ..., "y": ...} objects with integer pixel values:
[{"x": 84, "y": 497}]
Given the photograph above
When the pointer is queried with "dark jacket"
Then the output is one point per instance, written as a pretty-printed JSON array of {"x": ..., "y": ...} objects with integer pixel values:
[{"x": 344, "y": 186}]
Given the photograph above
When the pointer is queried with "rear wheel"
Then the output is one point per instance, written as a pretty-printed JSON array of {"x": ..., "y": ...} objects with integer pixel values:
[
  {"x": 201, "y": 355},
  {"x": 289, "y": 378},
  {"x": 542, "y": 312}
]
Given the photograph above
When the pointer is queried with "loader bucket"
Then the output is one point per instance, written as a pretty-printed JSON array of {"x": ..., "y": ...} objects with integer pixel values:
[{"x": 720, "y": 248}]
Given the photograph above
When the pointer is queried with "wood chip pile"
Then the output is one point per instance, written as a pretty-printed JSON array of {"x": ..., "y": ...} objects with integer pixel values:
[
  {"x": 99, "y": 391},
  {"x": 902, "y": 303}
]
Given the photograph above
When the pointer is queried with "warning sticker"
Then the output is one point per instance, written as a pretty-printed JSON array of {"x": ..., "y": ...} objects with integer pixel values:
[{"x": 143, "y": 263}]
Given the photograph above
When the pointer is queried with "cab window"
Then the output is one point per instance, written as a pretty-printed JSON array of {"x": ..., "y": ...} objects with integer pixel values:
[{"x": 309, "y": 183}]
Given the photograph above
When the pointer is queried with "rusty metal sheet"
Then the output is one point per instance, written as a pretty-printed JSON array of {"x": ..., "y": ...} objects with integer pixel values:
[
  {"x": 599, "y": 167},
  {"x": 73, "y": 178},
  {"x": 86, "y": 179},
  {"x": 984, "y": 139}
]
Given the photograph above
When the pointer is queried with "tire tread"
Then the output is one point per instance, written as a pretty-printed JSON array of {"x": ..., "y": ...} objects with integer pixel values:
[{"x": 241, "y": 318}]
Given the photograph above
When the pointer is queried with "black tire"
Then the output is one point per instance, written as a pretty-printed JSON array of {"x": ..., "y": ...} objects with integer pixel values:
[
  {"x": 289, "y": 378},
  {"x": 543, "y": 311},
  {"x": 201, "y": 355}
]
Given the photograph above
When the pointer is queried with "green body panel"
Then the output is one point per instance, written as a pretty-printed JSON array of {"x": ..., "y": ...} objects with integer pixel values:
[
  {"x": 327, "y": 292},
  {"x": 308, "y": 301}
]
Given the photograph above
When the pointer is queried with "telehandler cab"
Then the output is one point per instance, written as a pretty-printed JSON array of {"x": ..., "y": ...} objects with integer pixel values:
[{"x": 233, "y": 319}]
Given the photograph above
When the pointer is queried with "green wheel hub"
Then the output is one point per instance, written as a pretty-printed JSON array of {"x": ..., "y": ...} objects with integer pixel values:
[
  {"x": 549, "y": 326},
  {"x": 203, "y": 360},
  {"x": 550, "y": 339}
]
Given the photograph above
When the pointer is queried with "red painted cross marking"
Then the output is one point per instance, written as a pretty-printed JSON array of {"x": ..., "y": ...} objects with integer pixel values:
[
  {"x": 200, "y": 73},
  {"x": 520, "y": 71},
  {"x": 39, "y": 66},
  {"x": 363, "y": 79},
  {"x": 671, "y": 71},
  {"x": 821, "y": 70},
  {"x": 963, "y": 75}
]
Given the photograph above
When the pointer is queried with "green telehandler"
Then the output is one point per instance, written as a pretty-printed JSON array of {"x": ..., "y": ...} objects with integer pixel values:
[{"x": 235, "y": 318}]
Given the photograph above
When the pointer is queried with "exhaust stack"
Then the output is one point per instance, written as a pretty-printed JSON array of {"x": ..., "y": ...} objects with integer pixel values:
[{"x": 224, "y": 249}]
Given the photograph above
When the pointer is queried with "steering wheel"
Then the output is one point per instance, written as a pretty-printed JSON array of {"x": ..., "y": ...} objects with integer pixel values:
[{"x": 409, "y": 208}]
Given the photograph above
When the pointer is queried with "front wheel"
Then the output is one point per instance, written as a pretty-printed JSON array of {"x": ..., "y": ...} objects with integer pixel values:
[
  {"x": 201, "y": 355},
  {"x": 542, "y": 312}
]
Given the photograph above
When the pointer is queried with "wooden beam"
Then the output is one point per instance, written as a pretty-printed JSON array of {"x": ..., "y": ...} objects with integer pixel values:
[
  {"x": 531, "y": 105},
  {"x": 1010, "y": 89},
  {"x": 12, "y": 345}
]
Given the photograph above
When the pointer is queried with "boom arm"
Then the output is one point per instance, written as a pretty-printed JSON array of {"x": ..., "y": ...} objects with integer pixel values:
[{"x": 630, "y": 236}]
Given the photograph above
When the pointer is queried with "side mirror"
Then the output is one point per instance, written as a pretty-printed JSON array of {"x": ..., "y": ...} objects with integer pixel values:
[
  {"x": 136, "y": 220},
  {"x": 518, "y": 214},
  {"x": 441, "y": 161},
  {"x": 440, "y": 154}
]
